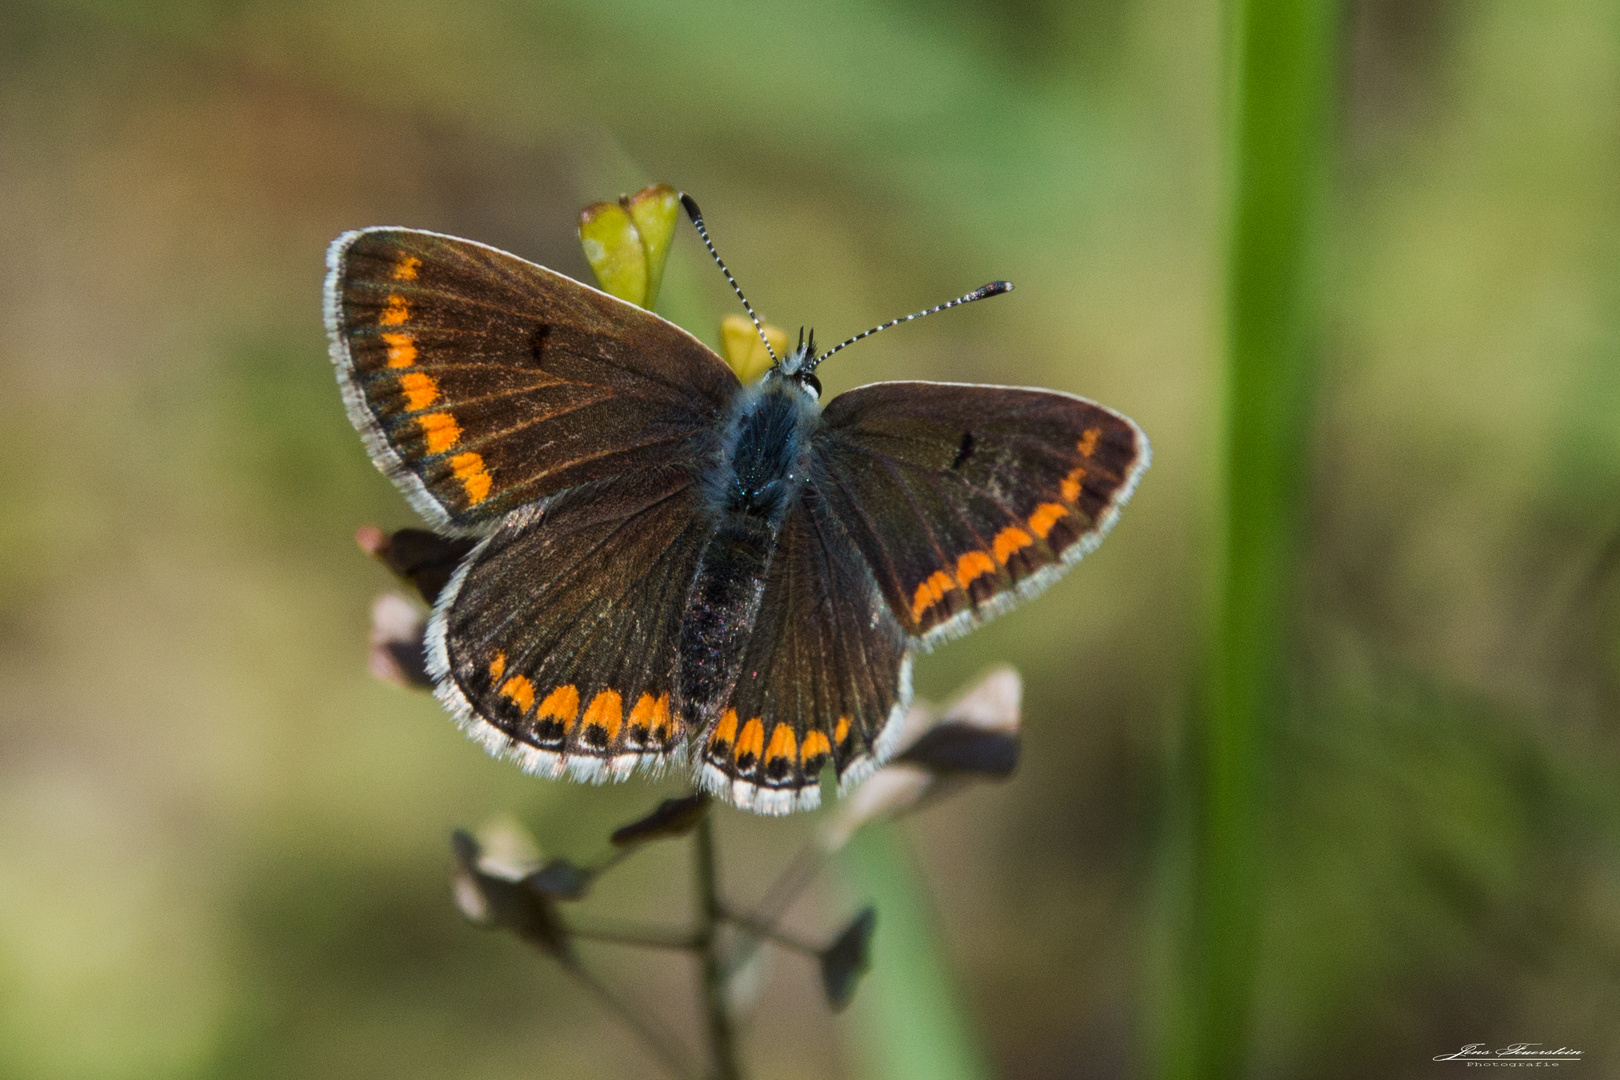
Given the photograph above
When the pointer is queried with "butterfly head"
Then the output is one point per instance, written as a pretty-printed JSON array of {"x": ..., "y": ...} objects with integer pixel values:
[{"x": 799, "y": 366}]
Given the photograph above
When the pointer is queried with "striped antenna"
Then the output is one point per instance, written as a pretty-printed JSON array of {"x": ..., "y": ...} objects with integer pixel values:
[
  {"x": 995, "y": 288},
  {"x": 696, "y": 215}
]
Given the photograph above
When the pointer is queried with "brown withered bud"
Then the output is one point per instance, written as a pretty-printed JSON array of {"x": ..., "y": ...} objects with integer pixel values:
[
  {"x": 491, "y": 897},
  {"x": 397, "y": 651},
  {"x": 672, "y": 818},
  {"x": 425, "y": 559},
  {"x": 975, "y": 738}
]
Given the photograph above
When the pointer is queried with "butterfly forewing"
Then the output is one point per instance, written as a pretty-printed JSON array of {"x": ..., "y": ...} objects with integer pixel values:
[
  {"x": 824, "y": 675},
  {"x": 965, "y": 499},
  {"x": 556, "y": 642},
  {"x": 482, "y": 382}
]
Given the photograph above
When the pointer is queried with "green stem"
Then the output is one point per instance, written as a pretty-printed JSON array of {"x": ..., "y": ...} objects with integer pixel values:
[
  {"x": 1282, "y": 75},
  {"x": 722, "y": 1039}
]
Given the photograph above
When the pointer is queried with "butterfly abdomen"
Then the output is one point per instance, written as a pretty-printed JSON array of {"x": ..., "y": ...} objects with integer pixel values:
[{"x": 749, "y": 482}]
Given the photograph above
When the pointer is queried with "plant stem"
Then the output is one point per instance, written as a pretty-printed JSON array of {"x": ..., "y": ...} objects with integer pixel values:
[
  {"x": 649, "y": 937},
  {"x": 778, "y": 898},
  {"x": 656, "y": 1039},
  {"x": 722, "y": 1041},
  {"x": 763, "y": 930}
]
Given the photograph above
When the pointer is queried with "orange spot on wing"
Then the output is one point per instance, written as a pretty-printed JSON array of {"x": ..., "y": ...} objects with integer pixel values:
[
  {"x": 561, "y": 704},
  {"x": 420, "y": 390},
  {"x": 401, "y": 349},
  {"x": 661, "y": 722},
  {"x": 752, "y": 741},
  {"x": 841, "y": 731},
  {"x": 784, "y": 744},
  {"x": 520, "y": 690},
  {"x": 497, "y": 667},
  {"x": 1044, "y": 517},
  {"x": 642, "y": 715},
  {"x": 726, "y": 730},
  {"x": 815, "y": 745},
  {"x": 469, "y": 469},
  {"x": 931, "y": 592},
  {"x": 606, "y": 711},
  {"x": 395, "y": 311},
  {"x": 973, "y": 564},
  {"x": 406, "y": 268},
  {"x": 1010, "y": 540},
  {"x": 1088, "y": 441},
  {"x": 440, "y": 430},
  {"x": 1071, "y": 483}
]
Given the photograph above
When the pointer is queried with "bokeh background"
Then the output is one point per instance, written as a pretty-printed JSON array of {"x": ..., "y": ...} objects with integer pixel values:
[{"x": 223, "y": 844}]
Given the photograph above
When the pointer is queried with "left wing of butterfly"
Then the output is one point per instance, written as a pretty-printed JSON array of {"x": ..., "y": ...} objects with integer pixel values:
[
  {"x": 482, "y": 382},
  {"x": 965, "y": 500},
  {"x": 931, "y": 507},
  {"x": 826, "y": 675}
]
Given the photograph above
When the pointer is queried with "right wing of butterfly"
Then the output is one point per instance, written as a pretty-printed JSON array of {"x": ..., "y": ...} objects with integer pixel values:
[
  {"x": 555, "y": 643},
  {"x": 482, "y": 382}
]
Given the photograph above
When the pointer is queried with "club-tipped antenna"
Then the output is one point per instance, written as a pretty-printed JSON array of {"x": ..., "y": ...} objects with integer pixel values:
[
  {"x": 696, "y": 215},
  {"x": 994, "y": 288}
]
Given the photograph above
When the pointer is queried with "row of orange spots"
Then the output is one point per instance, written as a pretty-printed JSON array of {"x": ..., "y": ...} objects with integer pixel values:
[
  {"x": 972, "y": 565},
  {"x": 606, "y": 709},
  {"x": 748, "y": 748},
  {"x": 439, "y": 430},
  {"x": 840, "y": 731},
  {"x": 975, "y": 564},
  {"x": 1008, "y": 541}
]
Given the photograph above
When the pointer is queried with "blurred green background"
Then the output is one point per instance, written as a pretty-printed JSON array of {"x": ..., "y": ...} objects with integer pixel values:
[{"x": 223, "y": 845}]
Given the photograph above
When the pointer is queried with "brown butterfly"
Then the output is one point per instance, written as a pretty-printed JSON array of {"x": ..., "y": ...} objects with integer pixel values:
[{"x": 673, "y": 567}]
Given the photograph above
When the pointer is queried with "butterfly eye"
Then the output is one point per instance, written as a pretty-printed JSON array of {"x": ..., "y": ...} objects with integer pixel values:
[{"x": 809, "y": 379}]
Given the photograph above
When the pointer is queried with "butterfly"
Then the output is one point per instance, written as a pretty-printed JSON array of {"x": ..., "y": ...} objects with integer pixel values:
[{"x": 672, "y": 568}]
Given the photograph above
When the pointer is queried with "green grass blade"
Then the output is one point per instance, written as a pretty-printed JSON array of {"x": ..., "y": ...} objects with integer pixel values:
[
  {"x": 1282, "y": 77},
  {"x": 911, "y": 1022}
]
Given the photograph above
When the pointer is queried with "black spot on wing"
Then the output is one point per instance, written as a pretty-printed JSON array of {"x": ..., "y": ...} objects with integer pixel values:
[{"x": 963, "y": 451}]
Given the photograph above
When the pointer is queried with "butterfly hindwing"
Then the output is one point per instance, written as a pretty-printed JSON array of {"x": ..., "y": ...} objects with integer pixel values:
[
  {"x": 825, "y": 675},
  {"x": 965, "y": 499},
  {"x": 482, "y": 382},
  {"x": 556, "y": 641}
]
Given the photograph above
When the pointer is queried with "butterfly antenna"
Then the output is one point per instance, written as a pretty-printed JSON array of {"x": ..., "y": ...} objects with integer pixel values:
[
  {"x": 696, "y": 215},
  {"x": 995, "y": 288}
]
